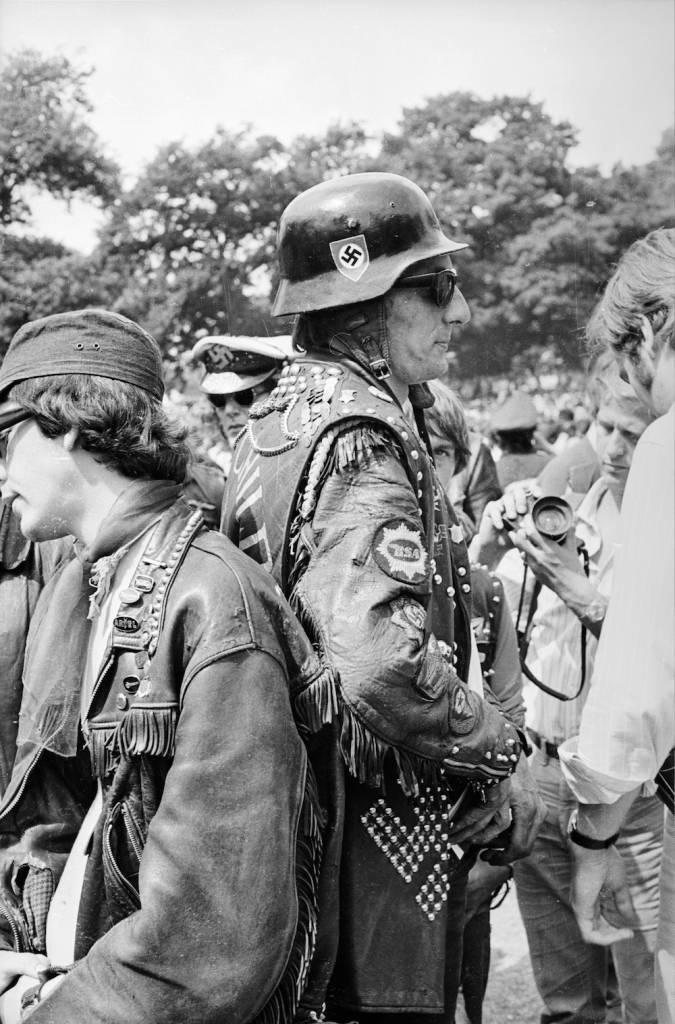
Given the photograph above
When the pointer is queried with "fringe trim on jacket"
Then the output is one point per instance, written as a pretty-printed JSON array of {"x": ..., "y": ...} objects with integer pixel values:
[
  {"x": 145, "y": 729},
  {"x": 282, "y": 1006}
]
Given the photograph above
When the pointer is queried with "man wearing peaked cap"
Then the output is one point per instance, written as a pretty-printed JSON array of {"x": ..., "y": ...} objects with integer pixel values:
[
  {"x": 333, "y": 488},
  {"x": 159, "y": 830},
  {"x": 238, "y": 372}
]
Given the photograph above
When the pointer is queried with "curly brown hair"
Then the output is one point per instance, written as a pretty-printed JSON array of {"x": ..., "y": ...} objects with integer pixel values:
[{"x": 123, "y": 426}]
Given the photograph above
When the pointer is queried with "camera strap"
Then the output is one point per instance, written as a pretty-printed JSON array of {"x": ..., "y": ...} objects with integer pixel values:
[{"x": 524, "y": 635}]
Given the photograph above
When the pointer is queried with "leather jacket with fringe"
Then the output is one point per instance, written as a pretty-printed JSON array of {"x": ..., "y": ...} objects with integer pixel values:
[
  {"x": 199, "y": 899},
  {"x": 332, "y": 489}
]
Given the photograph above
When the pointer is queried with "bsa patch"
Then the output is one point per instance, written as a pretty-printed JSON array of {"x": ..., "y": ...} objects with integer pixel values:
[
  {"x": 456, "y": 534},
  {"x": 462, "y": 718},
  {"x": 350, "y": 256},
  {"x": 400, "y": 551}
]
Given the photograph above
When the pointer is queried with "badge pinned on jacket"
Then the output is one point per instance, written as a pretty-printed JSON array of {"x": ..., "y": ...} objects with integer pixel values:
[{"x": 400, "y": 551}]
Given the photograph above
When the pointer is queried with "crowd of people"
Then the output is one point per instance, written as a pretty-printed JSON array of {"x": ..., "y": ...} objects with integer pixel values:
[{"x": 294, "y": 685}]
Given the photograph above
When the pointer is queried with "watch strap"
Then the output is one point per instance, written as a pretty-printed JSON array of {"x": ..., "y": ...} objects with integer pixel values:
[
  {"x": 588, "y": 843},
  {"x": 579, "y": 839}
]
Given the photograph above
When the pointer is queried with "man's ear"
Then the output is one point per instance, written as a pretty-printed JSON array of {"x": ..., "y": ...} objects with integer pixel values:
[{"x": 70, "y": 439}]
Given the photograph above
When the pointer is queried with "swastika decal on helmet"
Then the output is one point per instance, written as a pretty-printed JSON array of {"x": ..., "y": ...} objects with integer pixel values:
[{"x": 350, "y": 256}]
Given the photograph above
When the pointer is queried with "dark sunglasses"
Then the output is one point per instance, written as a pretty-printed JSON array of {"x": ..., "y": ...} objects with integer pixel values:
[
  {"x": 441, "y": 283},
  {"x": 10, "y": 414},
  {"x": 245, "y": 397}
]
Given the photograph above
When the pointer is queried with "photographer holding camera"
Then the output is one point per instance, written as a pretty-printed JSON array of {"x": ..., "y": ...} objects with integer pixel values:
[{"x": 557, "y": 570}]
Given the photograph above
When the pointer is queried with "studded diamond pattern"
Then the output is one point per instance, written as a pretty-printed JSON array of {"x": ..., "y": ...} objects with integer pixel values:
[{"x": 420, "y": 852}]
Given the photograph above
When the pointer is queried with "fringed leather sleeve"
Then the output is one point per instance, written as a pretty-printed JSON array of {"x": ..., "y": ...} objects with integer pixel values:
[
  {"x": 228, "y": 876},
  {"x": 361, "y": 588}
]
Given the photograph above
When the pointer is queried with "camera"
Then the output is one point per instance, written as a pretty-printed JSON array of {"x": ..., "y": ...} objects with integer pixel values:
[{"x": 552, "y": 517}]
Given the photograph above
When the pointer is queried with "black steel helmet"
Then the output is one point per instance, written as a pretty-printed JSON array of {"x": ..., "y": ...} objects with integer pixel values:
[{"x": 347, "y": 240}]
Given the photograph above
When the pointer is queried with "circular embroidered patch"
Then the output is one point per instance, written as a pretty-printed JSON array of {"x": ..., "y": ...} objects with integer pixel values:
[{"x": 400, "y": 551}]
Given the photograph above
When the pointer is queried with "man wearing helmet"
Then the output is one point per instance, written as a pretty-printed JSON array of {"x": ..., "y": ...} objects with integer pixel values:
[{"x": 332, "y": 488}]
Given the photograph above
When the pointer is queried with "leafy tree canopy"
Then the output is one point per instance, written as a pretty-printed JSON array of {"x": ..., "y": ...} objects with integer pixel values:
[
  {"x": 45, "y": 140},
  {"x": 197, "y": 232},
  {"x": 189, "y": 248}
]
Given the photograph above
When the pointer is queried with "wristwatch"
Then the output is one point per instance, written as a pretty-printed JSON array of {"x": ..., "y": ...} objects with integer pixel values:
[
  {"x": 595, "y": 611},
  {"x": 579, "y": 839}
]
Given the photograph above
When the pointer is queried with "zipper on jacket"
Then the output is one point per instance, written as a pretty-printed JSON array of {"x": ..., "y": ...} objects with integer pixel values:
[
  {"x": 19, "y": 793},
  {"x": 20, "y": 940},
  {"x": 133, "y": 831},
  {"x": 113, "y": 866},
  {"x": 99, "y": 680}
]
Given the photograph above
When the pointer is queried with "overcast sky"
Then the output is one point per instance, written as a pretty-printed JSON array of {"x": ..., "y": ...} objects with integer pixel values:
[{"x": 175, "y": 69}]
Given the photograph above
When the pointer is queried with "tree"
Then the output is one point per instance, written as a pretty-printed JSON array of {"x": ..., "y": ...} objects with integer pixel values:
[
  {"x": 46, "y": 145},
  {"x": 542, "y": 236},
  {"x": 555, "y": 272},
  {"x": 39, "y": 277},
  {"x": 45, "y": 140},
  {"x": 492, "y": 169},
  {"x": 197, "y": 231}
]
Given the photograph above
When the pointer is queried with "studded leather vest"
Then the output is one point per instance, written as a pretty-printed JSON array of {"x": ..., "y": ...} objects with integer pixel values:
[
  {"x": 281, "y": 460},
  {"x": 375, "y": 565}
]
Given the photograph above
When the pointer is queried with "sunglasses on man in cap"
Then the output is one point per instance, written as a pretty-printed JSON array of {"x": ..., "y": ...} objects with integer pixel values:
[
  {"x": 11, "y": 413},
  {"x": 245, "y": 397}
]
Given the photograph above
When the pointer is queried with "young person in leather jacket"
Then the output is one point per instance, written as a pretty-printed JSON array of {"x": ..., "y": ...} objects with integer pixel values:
[{"x": 159, "y": 837}]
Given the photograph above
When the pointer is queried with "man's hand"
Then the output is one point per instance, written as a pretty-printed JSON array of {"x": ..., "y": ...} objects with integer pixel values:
[
  {"x": 558, "y": 567},
  {"x": 553, "y": 564},
  {"x": 480, "y": 824},
  {"x": 500, "y": 519},
  {"x": 596, "y": 873},
  {"x": 13, "y": 965},
  {"x": 528, "y": 811}
]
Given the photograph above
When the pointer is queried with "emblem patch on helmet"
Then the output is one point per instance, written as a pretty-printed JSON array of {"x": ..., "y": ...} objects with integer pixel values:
[
  {"x": 401, "y": 552},
  {"x": 350, "y": 256}
]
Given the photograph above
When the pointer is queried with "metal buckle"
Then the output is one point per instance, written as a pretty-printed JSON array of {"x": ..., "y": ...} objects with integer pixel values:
[{"x": 380, "y": 369}]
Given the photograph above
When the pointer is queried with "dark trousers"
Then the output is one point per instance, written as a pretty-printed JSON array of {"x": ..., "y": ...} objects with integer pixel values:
[{"x": 453, "y": 970}]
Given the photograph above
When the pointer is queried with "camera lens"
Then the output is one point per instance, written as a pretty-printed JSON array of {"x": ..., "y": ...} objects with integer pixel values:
[{"x": 552, "y": 518}]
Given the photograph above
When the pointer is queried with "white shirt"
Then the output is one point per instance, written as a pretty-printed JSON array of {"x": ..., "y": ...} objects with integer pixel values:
[
  {"x": 628, "y": 724},
  {"x": 554, "y": 655}
]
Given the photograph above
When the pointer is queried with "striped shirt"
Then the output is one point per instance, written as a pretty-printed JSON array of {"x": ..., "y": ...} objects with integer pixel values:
[
  {"x": 554, "y": 654},
  {"x": 628, "y": 725}
]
